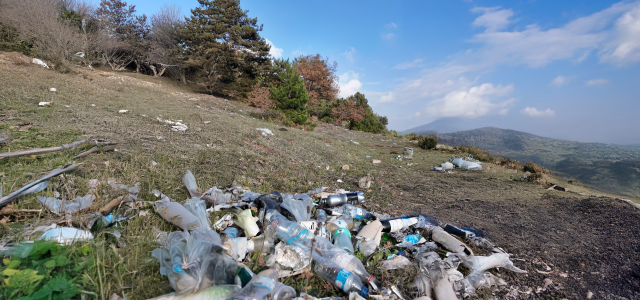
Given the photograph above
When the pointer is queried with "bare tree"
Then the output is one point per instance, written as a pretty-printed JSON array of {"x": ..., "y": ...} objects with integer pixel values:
[
  {"x": 54, "y": 39},
  {"x": 164, "y": 36}
]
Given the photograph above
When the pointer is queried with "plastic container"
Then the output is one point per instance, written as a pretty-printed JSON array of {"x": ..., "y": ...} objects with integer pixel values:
[
  {"x": 260, "y": 287},
  {"x": 354, "y": 198},
  {"x": 342, "y": 222},
  {"x": 395, "y": 225},
  {"x": 282, "y": 292},
  {"x": 247, "y": 222},
  {"x": 341, "y": 278},
  {"x": 343, "y": 259},
  {"x": 342, "y": 239},
  {"x": 321, "y": 216}
]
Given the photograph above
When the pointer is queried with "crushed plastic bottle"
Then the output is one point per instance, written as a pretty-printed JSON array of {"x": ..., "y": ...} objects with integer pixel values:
[
  {"x": 199, "y": 209},
  {"x": 260, "y": 287},
  {"x": 355, "y": 213},
  {"x": 247, "y": 222},
  {"x": 324, "y": 250},
  {"x": 175, "y": 213},
  {"x": 495, "y": 260},
  {"x": 452, "y": 244},
  {"x": 354, "y": 198},
  {"x": 341, "y": 278},
  {"x": 321, "y": 216},
  {"x": 282, "y": 292},
  {"x": 289, "y": 232}
]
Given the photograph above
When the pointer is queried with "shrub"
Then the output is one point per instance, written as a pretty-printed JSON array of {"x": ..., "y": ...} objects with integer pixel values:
[
  {"x": 428, "y": 142},
  {"x": 412, "y": 136},
  {"x": 478, "y": 153},
  {"x": 289, "y": 93},
  {"x": 259, "y": 97}
]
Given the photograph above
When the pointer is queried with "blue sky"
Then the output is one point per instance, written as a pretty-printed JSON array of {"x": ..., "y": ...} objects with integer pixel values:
[{"x": 562, "y": 69}]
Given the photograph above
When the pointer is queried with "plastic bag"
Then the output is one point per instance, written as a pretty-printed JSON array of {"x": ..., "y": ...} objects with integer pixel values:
[
  {"x": 66, "y": 235},
  {"x": 300, "y": 209},
  {"x": 292, "y": 256},
  {"x": 398, "y": 262},
  {"x": 496, "y": 260},
  {"x": 59, "y": 206},
  {"x": 238, "y": 247},
  {"x": 222, "y": 292},
  {"x": 199, "y": 209},
  {"x": 190, "y": 182}
]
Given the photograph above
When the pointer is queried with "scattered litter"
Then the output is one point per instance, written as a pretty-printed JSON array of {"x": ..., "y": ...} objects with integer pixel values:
[
  {"x": 68, "y": 207},
  {"x": 123, "y": 111},
  {"x": 66, "y": 235},
  {"x": 7, "y": 199},
  {"x": 345, "y": 167},
  {"x": 398, "y": 262},
  {"x": 339, "y": 180},
  {"x": 40, "y": 63},
  {"x": 43, "y": 104},
  {"x": 407, "y": 153},
  {"x": 52, "y": 90},
  {"x": 175, "y": 126},
  {"x": 376, "y": 161},
  {"x": 265, "y": 131},
  {"x": 467, "y": 163}
]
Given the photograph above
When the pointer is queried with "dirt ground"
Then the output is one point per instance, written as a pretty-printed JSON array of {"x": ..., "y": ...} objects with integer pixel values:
[{"x": 580, "y": 243}]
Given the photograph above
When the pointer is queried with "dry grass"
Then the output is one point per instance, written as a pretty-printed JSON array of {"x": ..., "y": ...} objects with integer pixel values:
[{"x": 220, "y": 147}]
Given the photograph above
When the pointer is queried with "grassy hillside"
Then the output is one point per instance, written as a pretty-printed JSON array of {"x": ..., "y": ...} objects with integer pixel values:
[
  {"x": 222, "y": 146},
  {"x": 611, "y": 168}
]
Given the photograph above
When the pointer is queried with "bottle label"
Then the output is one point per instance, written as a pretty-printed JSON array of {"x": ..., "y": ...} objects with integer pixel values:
[
  {"x": 359, "y": 213},
  {"x": 341, "y": 278},
  {"x": 342, "y": 231}
]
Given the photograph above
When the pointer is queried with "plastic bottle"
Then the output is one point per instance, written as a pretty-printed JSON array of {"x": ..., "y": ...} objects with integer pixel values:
[
  {"x": 282, "y": 292},
  {"x": 394, "y": 225},
  {"x": 343, "y": 279},
  {"x": 343, "y": 260},
  {"x": 176, "y": 214},
  {"x": 354, "y": 198},
  {"x": 289, "y": 232},
  {"x": 342, "y": 239},
  {"x": 342, "y": 222},
  {"x": 321, "y": 216},
  {"x": 354, "y": 212},
  {"x": 260, "y": 286},
  {"x": 244, "y": 274}
]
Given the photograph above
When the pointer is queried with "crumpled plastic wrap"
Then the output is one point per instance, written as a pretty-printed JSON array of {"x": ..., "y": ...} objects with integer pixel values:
[
  {"x": 59, "y": 206},
  {"x": 292, "y": 256},
  {"x": 300, "y": 209}
]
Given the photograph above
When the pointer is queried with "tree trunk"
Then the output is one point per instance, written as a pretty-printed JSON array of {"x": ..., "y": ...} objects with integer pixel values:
[
  {"x": 162, "y": 71},
  {"x": 153, "y": 68}
]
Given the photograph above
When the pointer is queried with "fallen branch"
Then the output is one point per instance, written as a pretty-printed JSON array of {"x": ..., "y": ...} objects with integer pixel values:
[
  {"x": 83, "y": 154},
  {"x": 6, "y": 200},
  {"x": 75, "y": 144},
  {"x": 11, "y": 210}
]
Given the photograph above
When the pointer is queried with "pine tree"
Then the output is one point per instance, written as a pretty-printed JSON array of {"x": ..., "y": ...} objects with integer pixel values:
[
  {"x": 225, "y": 46},
  {"x": 289, "y": 93}
]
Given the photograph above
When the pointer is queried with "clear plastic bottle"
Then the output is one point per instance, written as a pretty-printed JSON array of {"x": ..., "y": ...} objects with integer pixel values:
[
  {"x": 343, "y": 279},
  {"x": 321, "y": 216},
  {"x": 343, "y": 259},
  {"x": 342, "y": 239},
  {"x": 260, "y": 286},
  {"x": 288, "y": 231},
  {"x": 354, "y": 212}
]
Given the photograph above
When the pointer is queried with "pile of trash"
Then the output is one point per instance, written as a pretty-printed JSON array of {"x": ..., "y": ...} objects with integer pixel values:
[
  {"x": 468, "y": 163},
  {"x": 317, "y": 232}
]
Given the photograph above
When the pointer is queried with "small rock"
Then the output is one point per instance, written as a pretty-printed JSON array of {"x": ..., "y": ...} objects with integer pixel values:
[
  {"x": 365, "y": 182},
  {"x": 207, "y": 122},
  {"x": 67, "y": 106},
  {"x": 564, "y": 275},
  {"x": 376, "y": 161},
  {"x": 42, "y": 104},
  {"x": 154, "y": 163},
  {"x": 93, "y": 105},
  {"x": 355, "y": 143},
  {"x": 345, "y": 167},
  {"x": 265, "y": 131},
  {"x": 589, "y": 295},
  {"x": 123, "y": 111},
  {"x": 52, "y": 90},
  {"x": 283, "y": 129},
  {"x": 339, "y": 180}
]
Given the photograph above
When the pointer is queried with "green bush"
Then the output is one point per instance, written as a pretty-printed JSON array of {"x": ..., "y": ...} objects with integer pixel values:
[
  {"x": 289, "y": 93},
  {"x": 412, "y": 136},
  {"x": 370, "y": 123},
  {"x": 428, "y": 142}
]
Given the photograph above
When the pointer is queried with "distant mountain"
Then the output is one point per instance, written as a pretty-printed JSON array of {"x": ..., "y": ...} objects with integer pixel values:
[
  {"x": 445, "y": 125},
  {"x": 611, "y": 168}
]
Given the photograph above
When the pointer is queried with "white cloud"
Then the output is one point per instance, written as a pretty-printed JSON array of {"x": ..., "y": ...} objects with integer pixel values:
[
  {"x": 373, "y": 83},
  {"x": 409, "y": 64},
  {"x": 391, "y": 26},
  {"x": 626, "y": 44},
  {"x": 388, "y": 36},
  {"x": 559, "y": 81},
  {"x": 493, "y": 18},
  {"x": 533, "y": 112},
  {"x": 417, "y": 114},
  {"x": 349, "y": 84},
  {"x": 274, "y": 51},
  {"x": 475, "y": 102},
  {"x": 600, "y": 81},
  {"x": 503, "y": 111},
  {"x": 537, "y": 47},
  {"x": 349, "y": 54}
]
